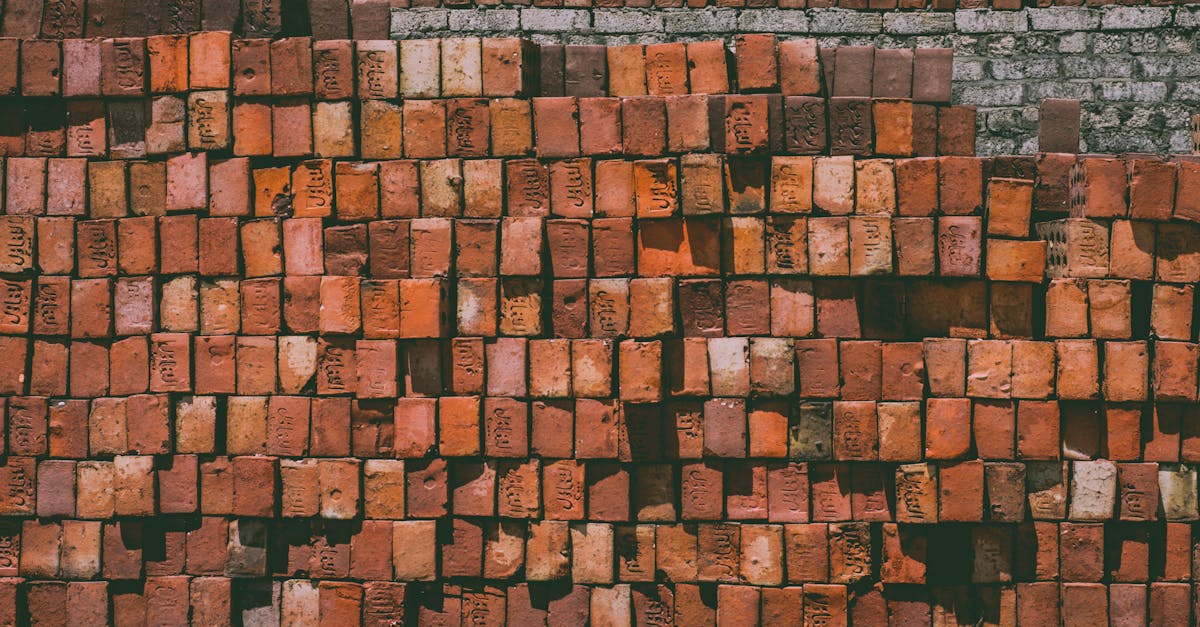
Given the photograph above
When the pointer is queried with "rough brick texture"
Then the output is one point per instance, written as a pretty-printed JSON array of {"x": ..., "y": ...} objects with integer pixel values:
[
  {"x": 1136, "y": 69},
  {"x": 473, "y": 330}
]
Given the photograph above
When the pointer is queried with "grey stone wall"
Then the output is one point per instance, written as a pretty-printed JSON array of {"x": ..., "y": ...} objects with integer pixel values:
[{"x": 1136, "y": 69}]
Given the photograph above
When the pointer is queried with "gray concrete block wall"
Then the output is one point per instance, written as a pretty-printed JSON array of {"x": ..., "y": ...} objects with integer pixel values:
[{"x": 1136, "y": 69}]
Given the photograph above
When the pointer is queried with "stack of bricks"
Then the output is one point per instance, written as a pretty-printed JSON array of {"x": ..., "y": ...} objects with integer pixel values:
[
  {"x": 479, "y": 331},
  {"x": 332, "y": 19},
  {"x": 466, "y": 98}
]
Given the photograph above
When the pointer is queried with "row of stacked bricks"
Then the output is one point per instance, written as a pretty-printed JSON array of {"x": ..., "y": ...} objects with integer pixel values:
[
  {"x": 334, "y": 19},
  {"x": 474, "y": 330},
  {"x": 129, "y": 98}
]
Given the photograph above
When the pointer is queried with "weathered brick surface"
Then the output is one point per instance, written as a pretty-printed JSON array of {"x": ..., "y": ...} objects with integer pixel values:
[
  {"x": 1136, "y": 69},
  {"x": 472, "y": 329}
]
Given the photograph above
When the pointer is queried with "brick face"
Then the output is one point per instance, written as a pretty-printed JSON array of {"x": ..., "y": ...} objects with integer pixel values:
[
  {"x": 1123, "y": 62},
  {"x": 728, "y": 314}
]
